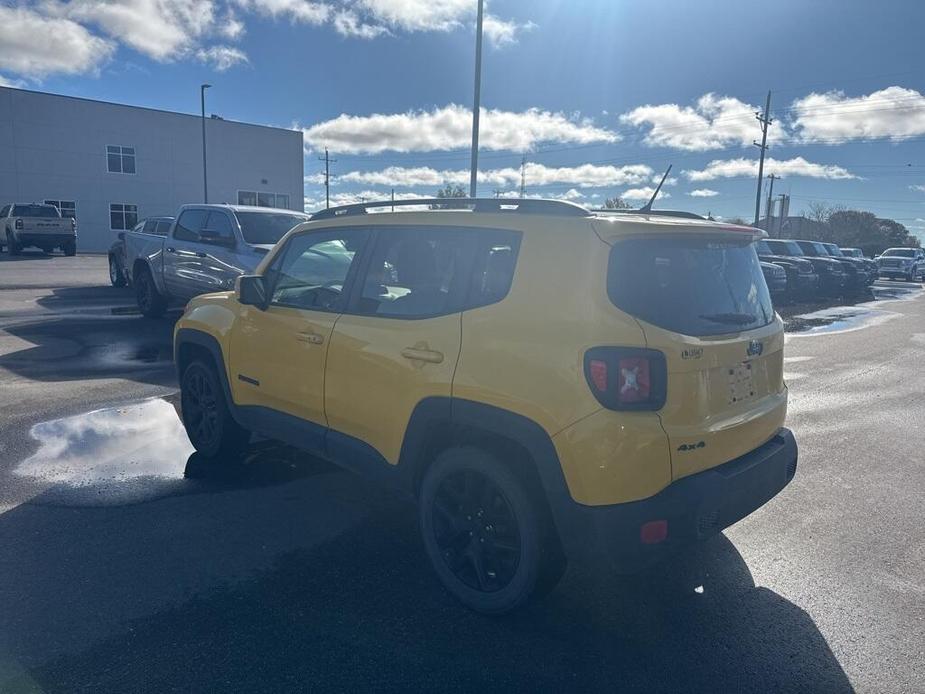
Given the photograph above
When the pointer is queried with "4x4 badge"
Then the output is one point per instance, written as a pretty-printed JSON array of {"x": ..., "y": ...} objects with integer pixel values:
[{"x": 755, "y": 348}]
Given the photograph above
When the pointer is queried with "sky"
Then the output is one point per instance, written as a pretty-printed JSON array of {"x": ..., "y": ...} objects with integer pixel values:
[{"x": 598, "y": 97}]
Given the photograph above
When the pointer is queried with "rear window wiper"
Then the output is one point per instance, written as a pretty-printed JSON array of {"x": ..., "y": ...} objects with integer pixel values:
[{"x": 730, "y": 318}]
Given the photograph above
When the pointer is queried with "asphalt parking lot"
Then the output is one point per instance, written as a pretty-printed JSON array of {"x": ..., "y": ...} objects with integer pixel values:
[{"x": 127, "y": 564}]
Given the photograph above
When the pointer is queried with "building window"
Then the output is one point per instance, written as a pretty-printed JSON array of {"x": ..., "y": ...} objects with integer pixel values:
[
  {"x": 120, "y": 159},
  {"x": 68, "y": 208},
  {"x": 122, "y": 217},
  {"x": 254, "y": 199}
]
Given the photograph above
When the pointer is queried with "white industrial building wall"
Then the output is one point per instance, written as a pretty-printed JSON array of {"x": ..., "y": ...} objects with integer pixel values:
[{"x": 54, "y": 148}]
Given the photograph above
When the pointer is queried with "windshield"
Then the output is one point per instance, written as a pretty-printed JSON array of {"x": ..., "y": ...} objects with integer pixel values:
[
  {"x": 694, "y": 286},
  {"x": 763, "y": 248},
  {"x": 833, "y": 250},
  {"x": 900, "y": 252},
  {"x": 266, "y": 227},
  {"x": 813, "y": 248},
  {"x": 35, "y": 211},
  {"x": 784, "y": 247}
]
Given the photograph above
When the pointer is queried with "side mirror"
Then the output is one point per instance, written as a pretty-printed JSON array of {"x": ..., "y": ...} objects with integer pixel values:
[
  {"x": 207, "y": 236},
  {"x": 252, "y": 291}
]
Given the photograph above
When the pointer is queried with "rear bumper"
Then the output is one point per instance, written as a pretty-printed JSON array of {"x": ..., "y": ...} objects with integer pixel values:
[
  {"x": 694, "y": 508},
  {"x": 43, "y": 239}
]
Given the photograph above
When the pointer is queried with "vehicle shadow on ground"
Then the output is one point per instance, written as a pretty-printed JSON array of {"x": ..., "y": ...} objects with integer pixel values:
[
  {"x": 75, "y": 297},
  {"x": 68, "y": 348},
  {"x": 301, "y": 577},
  {"x": 5, "y": 257}
]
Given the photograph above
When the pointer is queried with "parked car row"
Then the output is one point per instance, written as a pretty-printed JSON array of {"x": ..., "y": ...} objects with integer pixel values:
[{"x": 813, "y": 268}]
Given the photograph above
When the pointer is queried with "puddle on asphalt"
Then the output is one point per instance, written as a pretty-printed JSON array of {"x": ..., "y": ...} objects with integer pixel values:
[
  {"x": 139, "y": 452},
  {"x": 862, "y": 312}
]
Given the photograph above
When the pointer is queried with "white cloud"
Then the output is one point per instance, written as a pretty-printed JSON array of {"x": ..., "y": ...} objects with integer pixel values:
[
  {"x": 161, "y": 29},
  {"x": 450, "y": 127},
  {"x": 221, "y": 57},
  {"x": 71, "y": 50},
  {"x": 316, "y": 201},
  {"x": 303, "y": 11},
  {"x": 537, "y": 175},
  {"x": 798, "y": 166},
  {"x": 895, "y": 113},
  {"x": 714, "y": 122},
  {"x": 919, "y": 188},
  {"x": 703, "y": 193},
  {"x": 501, "y": 32},
  {"x": 347, "y": 23},
  {"x": 643, "y": 194}
]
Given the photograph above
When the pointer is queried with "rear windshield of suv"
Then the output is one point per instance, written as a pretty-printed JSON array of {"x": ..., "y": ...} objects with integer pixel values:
[
  {"x": 900, "y": 252},
  {"x": 694, "y": 286},
  {"x": 35, "y": 211},
  {"x": 266, "y": 227}
]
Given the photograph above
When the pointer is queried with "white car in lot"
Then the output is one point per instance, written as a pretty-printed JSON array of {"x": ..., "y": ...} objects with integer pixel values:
[
  {"x": 206, "y": 249},
  {"x": 32, "y": 224},
  {"x": 902, "y": 263}
]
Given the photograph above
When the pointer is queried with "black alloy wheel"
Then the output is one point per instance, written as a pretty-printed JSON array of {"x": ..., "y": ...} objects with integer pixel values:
[{"x": 476, "y": 531}]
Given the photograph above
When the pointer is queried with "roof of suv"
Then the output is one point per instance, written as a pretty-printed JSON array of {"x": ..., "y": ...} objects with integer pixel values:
[{"x": 667, "y": 219}]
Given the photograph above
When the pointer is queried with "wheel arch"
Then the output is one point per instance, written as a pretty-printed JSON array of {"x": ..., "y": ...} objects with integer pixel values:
[{"x": 190, "y": 344}]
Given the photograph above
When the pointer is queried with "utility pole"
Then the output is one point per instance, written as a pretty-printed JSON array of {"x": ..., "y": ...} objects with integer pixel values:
[
  {"x": 476, "y": 104},
  {"x": 205, "y": 176},
  {"x": 523, "y": 176},
  {"x": 498, "y": 192},
  {"x": 393, "y": 199},
  {"x": 765, "y": 120},
  {"x": 327, "y": 177},
  {"x": 771, "y": 179}
]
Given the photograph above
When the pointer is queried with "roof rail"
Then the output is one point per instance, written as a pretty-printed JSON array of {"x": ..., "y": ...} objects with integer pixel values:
[
  {"x": 657, "y": 213},
  {"x": 521, "y": 205}
]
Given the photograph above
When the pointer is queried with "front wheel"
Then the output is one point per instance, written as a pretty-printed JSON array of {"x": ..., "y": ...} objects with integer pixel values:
[
  {"x": 12, "y": 247},
  {"x": 211, "y": 429},
  {"x": 116, "y": 276},
  {"x": 70, "y": 249},
  {"x": 483, "y": 532}
]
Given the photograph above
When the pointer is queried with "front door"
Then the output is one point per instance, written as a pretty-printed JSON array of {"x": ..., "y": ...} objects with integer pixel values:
[
  {"x": 219, "y": 259},
  {"x": 278, "y": 354},
  {"x": 399, "y": 339},
  {"x": 183, "y": 255}
]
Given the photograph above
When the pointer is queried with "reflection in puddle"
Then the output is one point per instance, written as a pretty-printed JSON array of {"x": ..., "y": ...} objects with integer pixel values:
[
  {"x": 140, "y": 452},
  {"x": 851, "y": 316},
  {"x": 110, "y": 449}
]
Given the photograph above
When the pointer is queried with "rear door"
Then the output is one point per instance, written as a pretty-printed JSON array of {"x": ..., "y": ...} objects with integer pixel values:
[
  {"x": 703, "y": 302},
  {"x": 398, "y": 341}
]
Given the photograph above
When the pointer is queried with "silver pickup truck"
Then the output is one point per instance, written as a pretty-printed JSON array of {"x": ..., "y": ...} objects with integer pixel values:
[
  {"x": 206, "y": 249},
  {"x": 31, "y": 224}
]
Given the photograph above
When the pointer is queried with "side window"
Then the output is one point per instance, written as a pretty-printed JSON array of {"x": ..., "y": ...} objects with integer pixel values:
[
  {"x": 417, "y": 272},
  {"x": 149, "y": 226},
  {"x": 493, "y": 273},
  {"x": 311, "y": 271},
  {"x": 5, "y": 211},
  {"x": 189, "y": 224},
  {"x": 218, "y": 229},
  {"x": 163, "y": 228}
]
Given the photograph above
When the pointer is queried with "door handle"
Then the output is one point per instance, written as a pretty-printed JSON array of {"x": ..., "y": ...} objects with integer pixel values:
[
  {"x": 200, "y": 254},
  {"x": 311, "y": 338},
  {"x": 171, "y": 249},
  {"x": 417, "y": 354}
]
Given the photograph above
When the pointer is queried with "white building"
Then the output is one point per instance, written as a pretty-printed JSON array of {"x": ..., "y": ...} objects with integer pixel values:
[{"x": 110, "y": 165}]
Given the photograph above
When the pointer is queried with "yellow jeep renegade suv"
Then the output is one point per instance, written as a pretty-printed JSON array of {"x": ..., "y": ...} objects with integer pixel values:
[{"x": 550, "y": 384}]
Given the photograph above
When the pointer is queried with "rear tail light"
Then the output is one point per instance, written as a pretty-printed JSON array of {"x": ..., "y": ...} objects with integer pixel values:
[
  {"x": 627, "y": 378},
  {"x": 18, "y": 224}
]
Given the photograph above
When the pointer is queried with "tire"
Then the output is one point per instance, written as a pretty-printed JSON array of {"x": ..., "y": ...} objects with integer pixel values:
[
  {"x": 12, "y": 247},
  {"x": 492, "y": 568},
  {"x": 116, "y": 276},
  {"x": 70, "y": 249},
  {"x": 211, "y": 429},
  {"x": 151, "y": 302}
]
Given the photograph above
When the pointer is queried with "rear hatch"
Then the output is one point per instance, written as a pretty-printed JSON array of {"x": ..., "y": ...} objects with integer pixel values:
[{"x": 700, "y": 297}]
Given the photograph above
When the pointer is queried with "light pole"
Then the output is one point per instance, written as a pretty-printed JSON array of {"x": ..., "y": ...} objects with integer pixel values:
[
  {"x": 474, "y": 165},
  {"x": 205, "y": 176}
]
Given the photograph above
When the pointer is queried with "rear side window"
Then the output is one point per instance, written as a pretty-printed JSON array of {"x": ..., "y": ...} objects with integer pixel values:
[
  {"x": 693, "y": 286},
  {"x": 149, "y": 226},
  {"x": 163, "y": 228}
]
